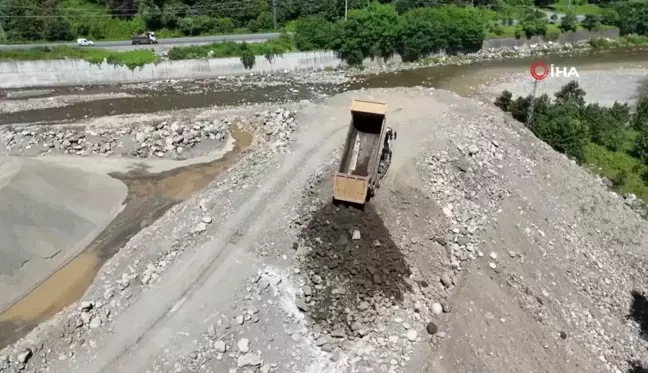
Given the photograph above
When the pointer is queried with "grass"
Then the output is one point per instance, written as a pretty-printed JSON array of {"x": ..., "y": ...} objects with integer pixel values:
[
  {"x": 269, "y": 48},
  {"x": 581, "y": 7},
  {"x": 509, "y": 32},
  {"x": 625, "y": 171},
  {"x": 623, "y": 41},
  {"x": 131, "y": 59}
]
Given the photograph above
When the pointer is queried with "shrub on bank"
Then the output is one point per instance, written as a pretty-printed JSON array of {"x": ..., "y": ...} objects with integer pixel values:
[
  {"x": 131, "y": 59},
  {"x": 270, "y": 49}
]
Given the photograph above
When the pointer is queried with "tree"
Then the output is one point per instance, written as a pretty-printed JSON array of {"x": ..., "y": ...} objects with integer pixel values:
[
  {"x": 640, "y": 118},
  {"x": 568, "y": 22},
  {"x": 564, "y": 131},
  {"x": 313, "y": 33},
  {"x": 605, "y": 129},
  {"x": 543, "y": 3},
  {"x": 632, "y": 17},
  {"x": 641, "y": 145},
  {"x": 55, "y": 27},
  {"x": 367, "y": 33},
  {"x": 571, "y": 92},
  {"x": 465, "y": 30},
  {"x": 248, "y": 59},
  {"x": 504, "y": 100},
  {"x": 591, "y": 22},
  {"x": 421, "y": 32}
]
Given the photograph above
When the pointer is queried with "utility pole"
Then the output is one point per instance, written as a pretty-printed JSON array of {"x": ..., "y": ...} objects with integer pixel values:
[
  {"x": 529, "y": 122},
  {"x": 274, "y": 13},
  {"x": 2, "y": 32},
  {"x": 346, "y": 9}
]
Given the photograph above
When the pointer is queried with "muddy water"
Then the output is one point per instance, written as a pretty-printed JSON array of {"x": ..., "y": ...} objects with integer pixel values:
[
  {"x": 149, "y": 196},
  {"x": 464, "y": 78},
  {"x": 166, "y": 100}
]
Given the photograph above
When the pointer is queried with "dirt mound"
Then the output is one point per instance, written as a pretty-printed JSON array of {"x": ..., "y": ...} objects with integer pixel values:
[
  {"x": 355, "y": 251},
  {"x": 48, "y": 213}
]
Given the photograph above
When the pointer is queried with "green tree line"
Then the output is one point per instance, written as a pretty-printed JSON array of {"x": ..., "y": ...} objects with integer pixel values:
[
  {"x": 611, "y": 140},
  {"x": 379, "y": 31},
  {"x": 25, "y": 20}
]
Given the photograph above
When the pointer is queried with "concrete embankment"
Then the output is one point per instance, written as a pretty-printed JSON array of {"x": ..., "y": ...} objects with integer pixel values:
[{"x": 27, "y": 74}]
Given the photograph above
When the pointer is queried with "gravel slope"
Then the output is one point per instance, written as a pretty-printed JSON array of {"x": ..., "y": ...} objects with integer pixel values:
[
  {"x": 47, "y": 214},
  {"x": 483, "y": 251}
]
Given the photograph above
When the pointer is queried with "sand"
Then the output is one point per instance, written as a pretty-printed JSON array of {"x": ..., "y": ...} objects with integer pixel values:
[{"x": 48, "y": 214}]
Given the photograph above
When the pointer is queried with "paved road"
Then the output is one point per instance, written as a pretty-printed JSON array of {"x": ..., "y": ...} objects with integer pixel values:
[{"x": 163, "y": 43}]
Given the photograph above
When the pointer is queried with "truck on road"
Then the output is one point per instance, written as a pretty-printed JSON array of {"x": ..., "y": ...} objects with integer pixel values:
[
  {"x": 367, "y": 153},
  {"x": 145, "y": 38}
]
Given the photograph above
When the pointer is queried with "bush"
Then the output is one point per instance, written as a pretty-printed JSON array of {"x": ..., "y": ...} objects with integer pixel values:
[
  {"x": 368, "y": 32},
  {"x": 630, "y": 17},
  {"x": 270, "y": 49},
  {"x": 424, "y": 31},
  {"x": 568, "y": 22},
  {"x": 504, "y": 100},
  {"x": 552, "y": 35},
  {"x": 248, "y": 59},
  {"x": 563, "y": 130},
  {"x": 641, "y": 147},
  {"x": 519, "y": 31},
  {"x": 592, "y": 22},
  {"x": 605, "y": 128},
  {"x": 223, "y": 26},
  {"x": 534, "y": 23},
  {"x": 640, "y": 118},
  {"x": 465, "y": 30},
  {"x": 313, "y": 33},
  {"x": 421, "y": 32},
  {"x": 496, "y": 28}
]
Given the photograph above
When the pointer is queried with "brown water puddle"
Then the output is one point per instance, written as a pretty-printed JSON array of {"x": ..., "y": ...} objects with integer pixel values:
[{"x": 149, "y": 196}]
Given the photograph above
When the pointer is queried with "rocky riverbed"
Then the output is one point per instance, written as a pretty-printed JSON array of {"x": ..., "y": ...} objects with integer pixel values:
[{"x": 180, "y": 139}]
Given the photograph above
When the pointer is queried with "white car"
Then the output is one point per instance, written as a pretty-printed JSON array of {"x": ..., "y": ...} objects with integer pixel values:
[{"x": 84, "y": 42}]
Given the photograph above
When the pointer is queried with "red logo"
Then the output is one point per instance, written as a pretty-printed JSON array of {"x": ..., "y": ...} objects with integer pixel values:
[{"x": 539, "y": 70}]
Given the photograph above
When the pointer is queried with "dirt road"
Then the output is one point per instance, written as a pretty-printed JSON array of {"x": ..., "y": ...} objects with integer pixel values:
[{"x": 483, "y": 251}]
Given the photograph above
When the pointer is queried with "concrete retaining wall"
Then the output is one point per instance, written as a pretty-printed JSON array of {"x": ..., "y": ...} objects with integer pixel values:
[
  {"x": 29, "y": 74},
  {"x": 23, "y": 74}
]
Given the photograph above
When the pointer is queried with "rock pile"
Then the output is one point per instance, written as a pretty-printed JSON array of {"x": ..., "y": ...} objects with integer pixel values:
[
  {"x": 176, "y": 137},
  {"x": 148, "y": 141},
  {"x": 278, "y": 127}
]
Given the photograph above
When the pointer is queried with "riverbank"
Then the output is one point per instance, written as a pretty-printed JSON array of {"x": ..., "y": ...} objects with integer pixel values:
[{"x": 51, "y": 73}]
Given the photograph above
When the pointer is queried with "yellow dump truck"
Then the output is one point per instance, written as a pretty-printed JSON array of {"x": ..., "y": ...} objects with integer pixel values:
[{"x": 363, "y": 160}]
